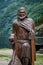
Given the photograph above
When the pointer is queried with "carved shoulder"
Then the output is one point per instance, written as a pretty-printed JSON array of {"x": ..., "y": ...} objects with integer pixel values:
[
  {"x": 31, "y": 20},
  {"x": 15, "y": 21},
  {"x": 32, "y": 23},
  {"x": 15, "y": 26}
]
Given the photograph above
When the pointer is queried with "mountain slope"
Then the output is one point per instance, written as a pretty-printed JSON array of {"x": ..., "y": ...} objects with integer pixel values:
[{"x": 8, "y": 13}]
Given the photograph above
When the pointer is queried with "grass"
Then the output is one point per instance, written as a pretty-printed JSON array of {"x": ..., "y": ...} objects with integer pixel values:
[
  {"x": 2, "y": 55},
  {"x": 5, "y": 57},
  {"x": 39, "y": 60},
  {"x": 5, "y": 49}
]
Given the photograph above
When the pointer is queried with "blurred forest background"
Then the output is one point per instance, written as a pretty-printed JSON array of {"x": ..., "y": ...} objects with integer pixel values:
[{"x": 8, "y": 13}]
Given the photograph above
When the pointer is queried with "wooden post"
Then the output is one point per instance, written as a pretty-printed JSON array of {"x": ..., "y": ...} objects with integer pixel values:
[{"x": 32, "y": 50}]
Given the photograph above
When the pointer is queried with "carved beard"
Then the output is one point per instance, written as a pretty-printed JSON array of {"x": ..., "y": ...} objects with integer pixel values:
[{"x": 22, "y": 17}]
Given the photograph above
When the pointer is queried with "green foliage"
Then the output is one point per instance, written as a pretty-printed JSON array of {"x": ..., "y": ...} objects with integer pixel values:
[
  {"x": 39, "y": 60},
  {"x": 8, "y": 13},
  {"x": 39, "y": 20},
  {"x": 1, "y": 55}
]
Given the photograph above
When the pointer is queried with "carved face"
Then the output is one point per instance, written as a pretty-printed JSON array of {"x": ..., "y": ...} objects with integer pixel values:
[{"x": 22, "y": 13}]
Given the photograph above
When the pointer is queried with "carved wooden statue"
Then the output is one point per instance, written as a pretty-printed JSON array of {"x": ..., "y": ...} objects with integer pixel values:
[{"x": 23, "y": 40}]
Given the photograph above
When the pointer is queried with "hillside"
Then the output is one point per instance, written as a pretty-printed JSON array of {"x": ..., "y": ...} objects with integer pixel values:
[{"x": 8, "y": 12}]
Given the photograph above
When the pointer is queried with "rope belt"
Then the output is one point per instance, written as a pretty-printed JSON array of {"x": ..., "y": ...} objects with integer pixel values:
[{"x": 23, "y": 41}]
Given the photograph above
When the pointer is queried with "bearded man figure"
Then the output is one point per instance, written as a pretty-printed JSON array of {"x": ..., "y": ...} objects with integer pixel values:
[{"x": 23, "y": 39}]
